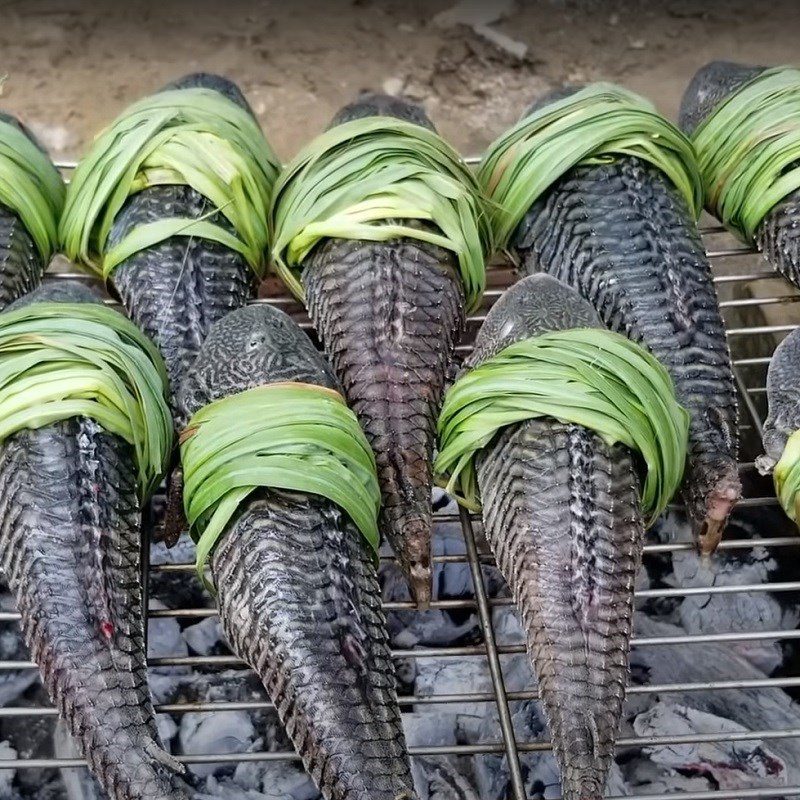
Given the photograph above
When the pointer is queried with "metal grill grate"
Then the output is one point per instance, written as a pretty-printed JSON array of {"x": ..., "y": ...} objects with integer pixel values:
[{"x": 749, "y": 293}]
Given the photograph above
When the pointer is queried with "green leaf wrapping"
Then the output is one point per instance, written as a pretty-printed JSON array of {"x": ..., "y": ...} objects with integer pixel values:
[
  {"x": 589, "y": 377},
  {"x": 63, "y": 360},
  {"x": 194, "y": 137},
  {"x": 31, "y": 187},
  {"x": 786, "y": 477},
  {"x": 598, "y": 123},
  {"x": 362, "y": 180},
  {"x": 293, "y": 436},
  {"x": 748, "y": 150}
]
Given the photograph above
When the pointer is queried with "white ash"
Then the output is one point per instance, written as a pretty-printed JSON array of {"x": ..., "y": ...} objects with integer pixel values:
[
  {"x": 441, "y": 778},
  {"x": 205, "y": 637},
  {"x": 7, "y": 753},
  {"x": 220, "y": 732},
  {"x": 727, "y": 765},
  {"x": 78, "y": 783},
  {"x": 424, "y": 729}
]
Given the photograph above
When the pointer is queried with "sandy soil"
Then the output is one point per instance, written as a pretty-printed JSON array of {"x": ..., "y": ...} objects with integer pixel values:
[{"x": 71, "y": 66}]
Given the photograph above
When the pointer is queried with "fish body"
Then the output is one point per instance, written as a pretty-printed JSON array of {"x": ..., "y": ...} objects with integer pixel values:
[
  {"x": 297, "y": 588},
  {"x": 21, "y": 265},
  {"x": 175, "y": 290},
  {"x": 561, "y": 513},
  {"x": 389, "y": 315},
  {"x": 778, "y": 234},
  {"x": 783, "y": 397},
  {"x": 624, "y": 237},
  {"x": 70, "y": 550}
]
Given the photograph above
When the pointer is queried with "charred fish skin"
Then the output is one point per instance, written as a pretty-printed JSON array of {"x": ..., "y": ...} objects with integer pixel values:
[
  {"x": 778, "y": 235},
  {"x": 70, "y": 551},
  {"x": 561, "y": 513},
  {"x": 21, "y": 265},
  {"x": 389, "y": 315},
  {"x": 297, "y": 588},
  {"x": 176, "y": 290},
  {"x": 623, "y": 236},
  {"x": 783, "y": 395}
]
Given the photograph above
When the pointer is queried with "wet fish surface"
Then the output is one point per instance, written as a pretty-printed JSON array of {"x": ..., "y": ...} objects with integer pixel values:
[
  {"x": 21, "y": 265},
  {"x": 561, "y": 513},
  {"x": 297, "y": 588},
  {"x": 70, "y": 551},
  {"x": 175, "y": 290},
  {"x": 622, "y": 235},
  {"x": 389, "y": 315},
  {"x": 778, "y": 234}
]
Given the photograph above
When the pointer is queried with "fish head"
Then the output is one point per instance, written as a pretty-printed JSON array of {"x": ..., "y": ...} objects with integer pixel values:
[
  {"x": 710, "y": 85},
  {"x": 371, "y": 104},
  {"x": 210, "y": 80},
  {"x": 251, "y": 347},
  {"x": 552, "y": 96},
  {"x": 533, "y": 305},
  {"x": 58, "y": 292}
]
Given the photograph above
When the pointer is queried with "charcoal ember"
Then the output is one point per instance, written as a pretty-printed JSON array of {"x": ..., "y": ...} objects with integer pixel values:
[
  {"x": 216, "y": 732},
  {"x": 735, "y": 612},
  {"x": 442, "y": 778},
  {"x": 205, "y": 637},
  {"x": 176, "y": 589},
  {"x": 754, "y": 709},
  {"x": 13, "y": 682},
  {"x": 728, "y": 765}
]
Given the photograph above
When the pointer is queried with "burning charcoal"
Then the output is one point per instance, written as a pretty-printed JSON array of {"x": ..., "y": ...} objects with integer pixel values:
[
  {"x": 205, "y": 637},
  {"x": 275, "y": 780},
  {"x": 218, "y": 732},
  {"x": 754, "y": 709},
  {"x": 440, "y": 779},
  {"x": 176, "y": 589},
  {"x": 7, "y": 753},
  {"x": 736, "y": 612},
  {"x": 729, "y": 765},
  {"x": 424, "y": 729},
  {"x": 655, "y": 779},
  {"x": 12, "y": 648}
]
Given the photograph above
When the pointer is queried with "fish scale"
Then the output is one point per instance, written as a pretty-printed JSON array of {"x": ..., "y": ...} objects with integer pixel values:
[
  {"x": 778, "y": 237},
  {"x": 70, "y": 550},
  {"x": 311, "y": 624},
  {"x": 389, "y": 314},
  {"x": 176, "y": 290},
  {"x": 561, "y": 514},
  {"x": 21, "y": 265},
  {"x": 298, "y": 593},
  {"x": 623, "y": 237}
]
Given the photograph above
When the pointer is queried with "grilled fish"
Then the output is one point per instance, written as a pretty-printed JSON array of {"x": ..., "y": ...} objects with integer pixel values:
[
  {"x": 561, "y": 513},
  {"x": 70, "y": 551},
  {"x": 622, "y": 235},
  {"x": 21, "y": 266},
  {"x": 297, "y": 588},
  {"x": 389, "y": 314},
  {"x": 175, "y": 290},
  {"x": 778, "y": 235}
]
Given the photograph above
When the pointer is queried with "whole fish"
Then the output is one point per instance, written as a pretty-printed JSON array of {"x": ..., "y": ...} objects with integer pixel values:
[
  {"x": 561, "y": 512},
  {"x": 297, "y": 588},
  {"x": 622, "y": 235},
  {"x": 70, "y": 550},
  {"x": 175, "y": 290},
  {"x": 389, "y": 315},
  {"x": 777, "y": 234},
  {"x": 21, "y": 264}
]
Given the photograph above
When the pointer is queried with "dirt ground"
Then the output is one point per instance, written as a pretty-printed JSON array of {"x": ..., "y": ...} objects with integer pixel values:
[{"x": 71, "y": 66}]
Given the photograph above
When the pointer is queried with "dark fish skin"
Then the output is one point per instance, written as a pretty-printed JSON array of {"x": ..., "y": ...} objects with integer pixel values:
[
  {"x": 778, "y": 235},
  {"x": 297, "y": 588},
  {"x": 176, "y": 290},
  {"x": 783, "y": 396},
  {"x": 623, "y": 236},
  {"x": 561, "y": 513},
  {"x": 21, "y": 266},
  {"x": 70, "y": 550},
  {"x": 389, "y": 315}
]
